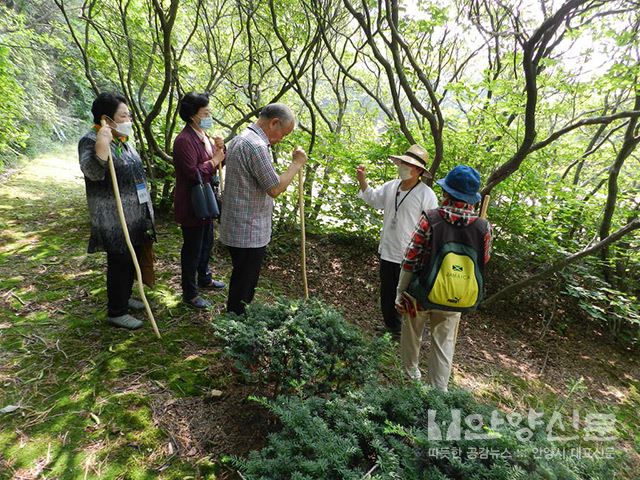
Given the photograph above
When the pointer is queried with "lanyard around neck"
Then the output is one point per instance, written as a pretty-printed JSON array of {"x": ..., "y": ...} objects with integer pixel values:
[{"x": 397, "y": 205}]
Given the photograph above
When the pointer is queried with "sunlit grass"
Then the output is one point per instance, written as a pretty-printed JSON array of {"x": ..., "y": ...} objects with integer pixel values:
[{"x": 64, "y": 365}]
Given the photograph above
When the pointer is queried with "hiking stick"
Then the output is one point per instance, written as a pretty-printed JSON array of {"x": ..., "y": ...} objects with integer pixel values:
[
  {"x": 485, "y": 206},
  {"x": 221, "y": 177},
  {"x": 127, "y": 238},
  {"x": 303, "y": 235}
]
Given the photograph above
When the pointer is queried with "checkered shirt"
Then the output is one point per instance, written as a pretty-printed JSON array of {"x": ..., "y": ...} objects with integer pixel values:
[
  {"x": 247, "y": 208},
  {"x": 419, "y": 250}
]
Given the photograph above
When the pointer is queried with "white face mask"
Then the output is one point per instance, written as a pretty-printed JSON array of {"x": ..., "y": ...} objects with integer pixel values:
[
  {"x": 125, "y": 128},
  {"x": 405, "y": 172}
]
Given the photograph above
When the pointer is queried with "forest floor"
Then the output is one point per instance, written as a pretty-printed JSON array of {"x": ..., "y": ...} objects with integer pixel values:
[{"x": 100, "y": 402}]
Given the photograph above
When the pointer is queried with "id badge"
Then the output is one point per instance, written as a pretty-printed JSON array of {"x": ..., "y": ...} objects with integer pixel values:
[
  {"x": 394, "y": 223},
  {"x": 143, "y": 193}
]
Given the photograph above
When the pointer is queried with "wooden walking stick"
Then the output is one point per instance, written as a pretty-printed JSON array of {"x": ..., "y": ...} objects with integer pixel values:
[
  {"x": 484, "y": 206},
  {"x": 221, "y": 185},
  {"x": 127, "y": 238},
  {"x": 303, "y": 235}
]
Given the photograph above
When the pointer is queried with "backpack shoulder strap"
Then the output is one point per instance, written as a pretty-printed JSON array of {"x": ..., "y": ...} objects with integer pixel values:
[
  {"x": 481, "y": 224},
  {"x": 433, "y": 216}
]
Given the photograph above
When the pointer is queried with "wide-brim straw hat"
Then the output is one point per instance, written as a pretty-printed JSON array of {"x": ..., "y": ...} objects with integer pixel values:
[{"x": 416, "y": 155}]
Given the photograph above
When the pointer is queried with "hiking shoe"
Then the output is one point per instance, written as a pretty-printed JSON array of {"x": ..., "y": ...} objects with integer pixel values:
[
  {"x": 212, "y": 285},
  {"x": 413, "y": 373},
  {"x": 199, "y": 303},
  {"x": 135, "y": 304},
  {"x": 125, "y": 321}
]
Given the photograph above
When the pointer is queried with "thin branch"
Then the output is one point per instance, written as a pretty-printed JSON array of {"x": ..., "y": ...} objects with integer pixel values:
[{"x": 565, "y": 262}]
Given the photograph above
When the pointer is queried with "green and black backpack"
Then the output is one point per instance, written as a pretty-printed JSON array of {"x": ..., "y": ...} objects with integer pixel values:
[{"x": 453, "y": 278}]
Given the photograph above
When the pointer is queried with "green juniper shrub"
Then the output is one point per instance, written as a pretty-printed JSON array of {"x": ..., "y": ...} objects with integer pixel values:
[
  {"x": 299, "y": 347},
  {"x": 388, "y": 427}
]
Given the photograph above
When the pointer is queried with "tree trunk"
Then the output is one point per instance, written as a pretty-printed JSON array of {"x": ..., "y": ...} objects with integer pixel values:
[{"x": 628, "y": 146}]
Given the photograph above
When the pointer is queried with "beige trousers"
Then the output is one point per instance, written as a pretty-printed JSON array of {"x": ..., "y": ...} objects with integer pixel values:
[{"x": 443, "y": 327}]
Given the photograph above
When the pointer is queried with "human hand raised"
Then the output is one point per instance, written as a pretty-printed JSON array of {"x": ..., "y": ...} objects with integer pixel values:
[
  {"x": 299, "y": 156},
  {"x": 218, "y": 142},
  {"x": 104, "y": 133},
  {"x": 361, "y": 173}
]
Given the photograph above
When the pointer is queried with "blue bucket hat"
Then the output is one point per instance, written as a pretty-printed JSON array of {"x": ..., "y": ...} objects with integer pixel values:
[{"x": 462, "y": 183}]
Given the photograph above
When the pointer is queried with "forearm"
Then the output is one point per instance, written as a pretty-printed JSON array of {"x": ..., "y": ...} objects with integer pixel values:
[
  {"x": 373, "y": 197},
  {"x": 91, "y": 165},
  {"x": 363, "y": 184},
  {"x": 217, "y": 158},
  {"x": 403, "y": 283},
  {"x": 103, "y": 148},
  {"x": 190, "y": 167},
  {"x": 285, "y": 180}
]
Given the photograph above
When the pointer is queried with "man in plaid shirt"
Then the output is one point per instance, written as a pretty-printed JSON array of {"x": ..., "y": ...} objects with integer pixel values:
[
  {"x": 250, "y": 187},
  {"x": 460, "y": 188}
]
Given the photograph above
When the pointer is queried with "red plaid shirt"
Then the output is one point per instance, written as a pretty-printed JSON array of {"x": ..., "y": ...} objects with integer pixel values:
[{"x": 419, "y": 249}]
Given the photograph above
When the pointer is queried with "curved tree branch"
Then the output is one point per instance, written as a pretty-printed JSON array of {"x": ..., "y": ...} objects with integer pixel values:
[{"x": 556, "y": 267}]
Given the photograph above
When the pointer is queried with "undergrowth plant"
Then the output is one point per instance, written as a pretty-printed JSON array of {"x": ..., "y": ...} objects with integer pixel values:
[
  {"x": 299, "y": 347},
  {"x": 614, "y": 309},
  {"x": 338, "y": 421},
  {"x": 409, "y": 432}
]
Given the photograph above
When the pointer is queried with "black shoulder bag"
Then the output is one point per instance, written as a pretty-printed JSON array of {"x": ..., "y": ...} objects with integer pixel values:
[{"x": 203, "y": 200}]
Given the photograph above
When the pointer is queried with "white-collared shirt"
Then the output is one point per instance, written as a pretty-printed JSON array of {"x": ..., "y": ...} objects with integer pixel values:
[{"x": 394, "y": 241}]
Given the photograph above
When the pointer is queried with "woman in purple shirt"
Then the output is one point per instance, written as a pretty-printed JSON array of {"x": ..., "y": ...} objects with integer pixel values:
[{"x": 193, "y": 152}]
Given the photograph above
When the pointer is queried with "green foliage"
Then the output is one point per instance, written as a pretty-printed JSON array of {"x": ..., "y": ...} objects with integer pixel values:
[
  {"x": 69, "y": 371},
  {"x": 343, "y": 437},
  {"x": 551, "y": 206},
  {"x": 301, "y": 347},
  {"x": 335, "y": 428},
  {"x": 86, "y": 390},
  {"x": 12, "y": 94},
  {"x": 616, "y": 310},
  {"x": 39, "y": 88}
]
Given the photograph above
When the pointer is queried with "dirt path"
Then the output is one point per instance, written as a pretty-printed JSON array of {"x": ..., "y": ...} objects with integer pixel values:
[{"x": 100, "y": 402}]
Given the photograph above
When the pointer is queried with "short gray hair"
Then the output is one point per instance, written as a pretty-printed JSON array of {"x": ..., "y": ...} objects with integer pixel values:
[{"x": 278, "y": 110}]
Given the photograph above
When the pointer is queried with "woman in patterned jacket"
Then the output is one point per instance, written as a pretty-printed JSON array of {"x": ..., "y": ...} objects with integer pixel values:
[{"x": 112, "y": 132}]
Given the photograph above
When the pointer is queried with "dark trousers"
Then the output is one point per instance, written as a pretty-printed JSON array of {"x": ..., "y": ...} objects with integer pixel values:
[
  {"x": 120, "y": 275},
  {"x": 244, "y": 277},
  {"x": 194, "y": 258},
  {"x": 389, "y": 275}
]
